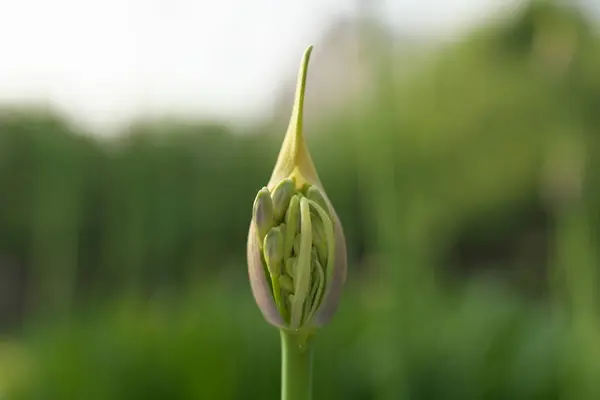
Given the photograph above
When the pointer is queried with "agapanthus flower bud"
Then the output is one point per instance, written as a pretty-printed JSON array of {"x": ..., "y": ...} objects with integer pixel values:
[
  {"x": 292, "y": 223},
  {"x": 319, "y": 239},
  {"x": 282, "y": 195},
  {"x": 287, "y": 283},
  {"x": 296, "y": 244},
  {"x": 262, "y": 213},
  {"x": 314, "y": 194},
  {"x": 290, "y": 267},
  {"x": 273, "y": 251}
]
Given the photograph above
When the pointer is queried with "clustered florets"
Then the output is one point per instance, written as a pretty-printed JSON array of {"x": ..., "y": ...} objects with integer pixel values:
[{"x": 296, "y": 237}]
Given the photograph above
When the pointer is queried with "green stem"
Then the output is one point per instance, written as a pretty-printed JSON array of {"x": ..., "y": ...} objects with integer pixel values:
[{"x": 296, "y": 366}]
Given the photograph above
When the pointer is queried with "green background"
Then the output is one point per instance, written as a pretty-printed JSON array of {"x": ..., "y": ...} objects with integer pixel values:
[{"x": 468, "y": 189}]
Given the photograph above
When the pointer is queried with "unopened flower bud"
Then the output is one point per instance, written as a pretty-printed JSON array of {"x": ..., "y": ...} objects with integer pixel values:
[
  {"x": 273, "y": 250},
  {"x": 297, "y": 240},
  {"x": 281, "y": 196},
  {"x": 314, "y": 194},
  {"x": 292, "y": 222},
  {"x": 290, "y": 267},
  {"x": 286, "y": 283},
  {"x": 320, "y": 239},
  {"x": 262, "y": 213},
  {"x": 296, "y": 232}
]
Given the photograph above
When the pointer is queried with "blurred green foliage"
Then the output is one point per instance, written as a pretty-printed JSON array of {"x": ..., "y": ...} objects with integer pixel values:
[{"x": 125, "y": 257}]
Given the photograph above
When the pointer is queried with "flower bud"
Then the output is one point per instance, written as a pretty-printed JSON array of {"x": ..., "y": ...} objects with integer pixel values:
[
  {"x": 314, "y": 194},
  {"x": 273, "y": 250},
  {"x": 319, "y": 239},
  {"x": 297, "y": 240},
  {"x": 290, "y": 267},
  {"x": 296, "y": 235},
  {"x": 262, "y": 213},
  {"x": 286, "y": 283},
  {"x": 292, "y": 223},
  {"x": 281, "y": 196}
]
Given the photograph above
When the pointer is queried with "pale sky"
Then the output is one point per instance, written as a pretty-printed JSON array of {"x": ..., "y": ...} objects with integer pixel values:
[{"x": 105, "y": 61}]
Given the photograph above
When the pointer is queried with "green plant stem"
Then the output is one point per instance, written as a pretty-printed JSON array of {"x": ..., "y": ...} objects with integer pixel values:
[{"x": 296, "y": 366}]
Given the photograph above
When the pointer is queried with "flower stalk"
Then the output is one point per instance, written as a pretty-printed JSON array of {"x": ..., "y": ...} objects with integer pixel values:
[{"x": 296, "y": 367}]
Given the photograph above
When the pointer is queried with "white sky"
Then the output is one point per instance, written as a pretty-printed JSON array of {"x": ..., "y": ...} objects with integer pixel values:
[{"x": 107, "y": 60}]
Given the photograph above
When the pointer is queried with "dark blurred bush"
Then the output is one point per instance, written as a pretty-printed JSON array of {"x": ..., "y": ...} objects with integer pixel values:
[{"x": 215, "y": 346}]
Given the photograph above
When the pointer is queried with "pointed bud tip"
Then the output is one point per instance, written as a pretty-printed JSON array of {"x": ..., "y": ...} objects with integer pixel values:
[
  {"x": 308, "y": 52},
  {"x": 294, "y": 158}
]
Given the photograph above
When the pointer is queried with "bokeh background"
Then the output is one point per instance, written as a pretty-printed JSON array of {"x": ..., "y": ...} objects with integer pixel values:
[{"x": 465, "y": 171}]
